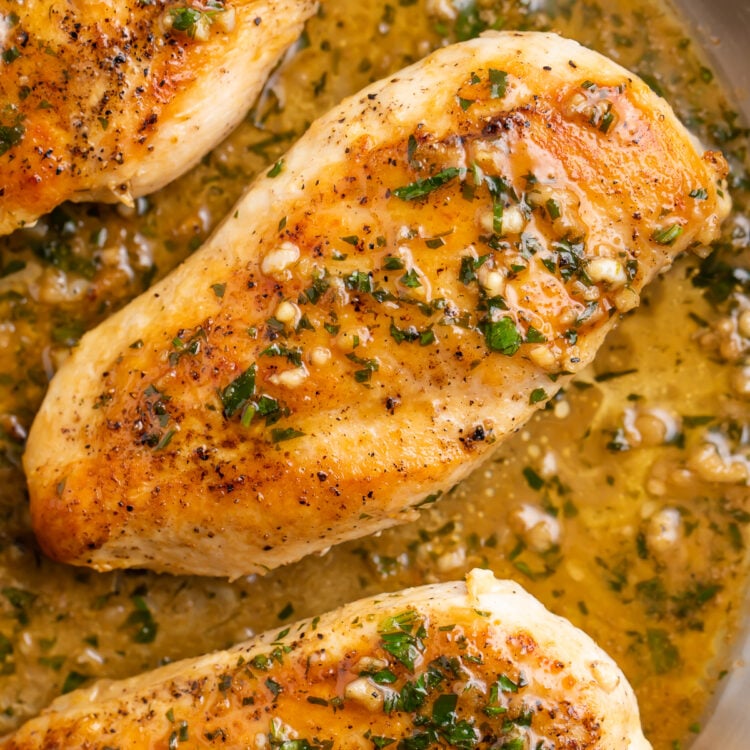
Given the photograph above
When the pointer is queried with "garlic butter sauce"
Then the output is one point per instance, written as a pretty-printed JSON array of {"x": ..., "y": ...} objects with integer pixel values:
[{"x": 623, "y": 506}]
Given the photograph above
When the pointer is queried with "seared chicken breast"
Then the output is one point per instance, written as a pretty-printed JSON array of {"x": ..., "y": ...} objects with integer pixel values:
[
  {"x": 421, "y": 272},
  {"x": 481, "y": 664},
  {"x": 109, "y": 101}
]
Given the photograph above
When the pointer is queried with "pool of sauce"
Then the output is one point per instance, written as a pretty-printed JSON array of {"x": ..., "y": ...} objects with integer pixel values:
[{"x": 623, "y": 506}]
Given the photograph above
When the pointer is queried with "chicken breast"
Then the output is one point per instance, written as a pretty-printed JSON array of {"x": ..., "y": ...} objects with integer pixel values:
[
  {"x": 481, "y": 664},
  {"x": 421, "y": 272},
  {"x": 109, "y": 101}
]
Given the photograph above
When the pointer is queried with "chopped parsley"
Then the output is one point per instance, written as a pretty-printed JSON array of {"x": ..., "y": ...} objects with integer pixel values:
[
  {"x": 553, "y": 209},
  {"x": 165, "y": 440},
  {"x": 368, "y": 367},
  {"x": 421, "y": 188},
  {"x": 503, "y": 336},
  {"x": 276, "y": 169},
  {"x": 664, "y": 654},
  {"x": 284, "y": 614},
  {"x": 279, "y": 435},
  {"x": 315, "y": 291},
  {"x": 410, "y": 279},
  {"x": 532, "y": 478},
  {"x": 268, "y": 408},
  {"x": 190, "y": 20},
  {"x": 20, "y": 600},
  {"x": 10, "y": 135},
  {"x": 293, "y": 355},
  {"x": 533, "y": 336},
  {"x": 10, "y": 55},
  {"x": 185, "y": 19},
  {"x": 359, "y": 281},
  {"x": 381, "y": 742},
  {"x": 402, "y": 636},
  {"x": 469, "y": 268},
  {"x": 238, "y": 392},
  {"x": 141, "y": 621},
  {"x": 498, "y": 83},
  {"x": 393, "y": 263},
  {"x": 73, "y": 681},
  {"x": 412, "y": 333},
  {"x": 667, "y": 235},
  {"x": 273, "y": 686},
  {"x": 537, "y": 395}
]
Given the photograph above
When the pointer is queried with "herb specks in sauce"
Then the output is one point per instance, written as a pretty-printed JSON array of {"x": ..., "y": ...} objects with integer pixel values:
[{"x": 588, "y": 529}]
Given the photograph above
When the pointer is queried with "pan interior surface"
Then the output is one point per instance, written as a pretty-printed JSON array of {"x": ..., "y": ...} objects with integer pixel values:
[
  {"x": 723, "y": 29},
  {"x": 563, "y": 507}
]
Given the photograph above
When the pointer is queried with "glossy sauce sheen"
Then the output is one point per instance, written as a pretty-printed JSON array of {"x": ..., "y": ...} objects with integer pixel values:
[
  {"x": 472, "y": 664},
  {"x": 466, "y": 235},
  {"x": 610, "y": 526},
  {"x": 102, "y": 101}
]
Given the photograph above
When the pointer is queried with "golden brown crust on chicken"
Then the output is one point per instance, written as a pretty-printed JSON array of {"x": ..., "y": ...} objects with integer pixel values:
[
  {"x": 482, "y": 664},
  {"x": 422, "y": 271},
  {"x": 108, "y": 101}
]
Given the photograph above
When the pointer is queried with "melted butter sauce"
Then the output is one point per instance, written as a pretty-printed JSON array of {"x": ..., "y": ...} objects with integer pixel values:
[{"x": 624, "y": 506}]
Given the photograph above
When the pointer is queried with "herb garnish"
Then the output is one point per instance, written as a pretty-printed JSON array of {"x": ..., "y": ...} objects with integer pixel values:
[
  {"x": 275, "y": 170},
  {"x": 368, "y": 367},
  {"x": 469, "y": 268},
  {"x": 190, "y": 20},
  {"x": 279, "y": 435},
  {"x": 667, "y": 235},
  {"x": 359, "y": 281},
  {"x": 293, "y": 355},
  {"x": 402, "y": 636},
  {"x": 537, "y": 395},
  {"x": 533, "y": 336},
  {"x": 498, "y": 83},
  {"x": 503, "y": 336},
  {"x": 10, "y": 135},
  {"x": 238, "y": 392},
  {"x": 421, "y": 188},
  {"x": 143, "y": 622},
  {"x": 664, "y": 654},
  {"x": 10, "y": 55},
  {"x": 410, "y": 279},
  {"x": 315, "y": 291},
  {"x": 73, "y": 681}
]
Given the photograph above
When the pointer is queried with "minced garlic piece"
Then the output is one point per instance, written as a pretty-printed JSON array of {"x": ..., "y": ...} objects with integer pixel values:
[
  {"x": 290, "y": 378},
  {"x": 492, "y": 281},
  {"x": 320, "y": 356},
  {"x": 512, "y": 221},
  {"x": 362, "y": 691},
  {"x": 607, "y": 270},
  {"x": 286, "y": 312},
  {"x": 543, "y": 357},
  {"x": 627, "y": 299},
  {"x": 277, "y": 262}
]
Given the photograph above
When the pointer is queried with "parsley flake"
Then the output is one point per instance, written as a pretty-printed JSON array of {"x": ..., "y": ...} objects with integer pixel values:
[
  {"x": 238, "y": 392},
  {"x": 282, "y": 435},
  {"x": 498, "y": 83},
  {"x": 276, "y": 169},
  {"x": 421, "y": 188},
  {"x": 667, "y": 235},
  {"x": 503, "y": 336}
]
